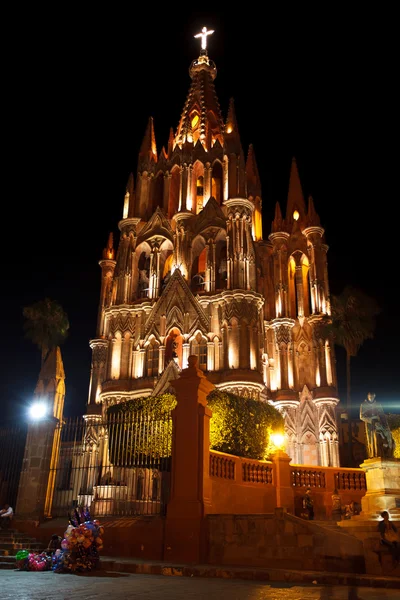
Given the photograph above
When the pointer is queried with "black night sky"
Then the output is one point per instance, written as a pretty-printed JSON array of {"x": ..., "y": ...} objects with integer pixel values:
[{"x": 78, "y": 90}]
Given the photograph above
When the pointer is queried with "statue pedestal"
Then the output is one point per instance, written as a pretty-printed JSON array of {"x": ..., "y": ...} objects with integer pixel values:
[
  {"x": 383, "y": 493},
  {"x": 383, "y": 487}
]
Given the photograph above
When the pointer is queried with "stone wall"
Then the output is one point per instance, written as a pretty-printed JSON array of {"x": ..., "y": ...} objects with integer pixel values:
[{"x": 280, "y": 541}]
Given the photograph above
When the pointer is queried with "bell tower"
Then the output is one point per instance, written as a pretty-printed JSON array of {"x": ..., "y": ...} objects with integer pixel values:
[{"x": 192, "y": 274}]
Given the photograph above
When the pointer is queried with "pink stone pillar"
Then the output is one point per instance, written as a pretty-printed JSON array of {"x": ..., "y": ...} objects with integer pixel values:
[
  {"x": 283, "y": 483},
  {"x": 190, "y": 478}
]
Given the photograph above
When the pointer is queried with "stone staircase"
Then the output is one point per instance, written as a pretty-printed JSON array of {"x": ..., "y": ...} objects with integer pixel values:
[{"x": 11, "y": 541}]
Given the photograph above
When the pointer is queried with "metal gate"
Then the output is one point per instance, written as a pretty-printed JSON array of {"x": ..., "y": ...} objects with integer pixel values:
[
  {"x": 12, "y": 447},
  {"x": 117, "y": 466}
]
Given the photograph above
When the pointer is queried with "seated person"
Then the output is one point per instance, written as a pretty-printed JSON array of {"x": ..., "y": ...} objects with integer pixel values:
[
  {"x": 389, "y": 536},
  {"x": 54, "y": 544}
]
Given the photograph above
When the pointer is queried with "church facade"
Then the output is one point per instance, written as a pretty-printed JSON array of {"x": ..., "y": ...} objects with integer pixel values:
[{"x": 192, "y": 274}]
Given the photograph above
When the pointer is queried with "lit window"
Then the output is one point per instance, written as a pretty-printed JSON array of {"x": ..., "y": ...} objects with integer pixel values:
[
  {"x": 152, "y": 360},
  {"x": 195, "y": 120},
  {"x": 296, "y": 215}
]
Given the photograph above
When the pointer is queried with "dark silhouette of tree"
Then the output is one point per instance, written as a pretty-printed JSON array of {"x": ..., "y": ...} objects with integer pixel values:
[
  {"x": 46, "y": 325},
  {"x": 353, "y": 321}
]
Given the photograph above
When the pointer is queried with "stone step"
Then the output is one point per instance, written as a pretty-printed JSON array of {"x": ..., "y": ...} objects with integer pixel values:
[
  {"x": 5, "y": 559},
  {"x": 19, "y": 540},
  {"x": 7, "y": 565},
  {"x": 13, "y": 551}
]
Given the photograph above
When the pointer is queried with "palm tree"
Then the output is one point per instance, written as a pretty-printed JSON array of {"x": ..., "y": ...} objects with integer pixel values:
[
  {"x": 353, "y": 320},
  {"x": 46, "y": 325}
]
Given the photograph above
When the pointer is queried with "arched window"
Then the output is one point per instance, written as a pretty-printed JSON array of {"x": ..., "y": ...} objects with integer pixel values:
[
  {"x": 199, "y": 348},
  {"x": 199, "y": 193},
  {"x": 152, "y": 359},
  {"x": 216, "y": 182}
]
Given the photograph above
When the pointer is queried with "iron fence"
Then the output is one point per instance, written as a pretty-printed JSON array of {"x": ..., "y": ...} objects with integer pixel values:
[
  {"x": 12, "y": 446},
  {"x": 116, "y": 466}
]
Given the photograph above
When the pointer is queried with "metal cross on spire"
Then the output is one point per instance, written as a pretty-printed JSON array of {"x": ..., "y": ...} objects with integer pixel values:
[{"x": 203, "y": 35}]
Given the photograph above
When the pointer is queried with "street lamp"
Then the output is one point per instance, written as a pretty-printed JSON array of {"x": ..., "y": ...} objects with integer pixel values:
[
  {"x": 278, "y": 440},
  {"x": 38, "y": 410}
]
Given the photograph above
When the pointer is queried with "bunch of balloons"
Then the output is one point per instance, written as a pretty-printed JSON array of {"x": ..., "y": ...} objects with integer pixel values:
[
  {"x": 81, "y": 544},
  {"x": 21, "y": 560},
  {"x": 29, "y": 561}
]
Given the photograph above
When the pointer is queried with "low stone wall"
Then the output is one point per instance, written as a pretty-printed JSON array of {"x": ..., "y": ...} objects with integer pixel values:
[
  {"x": 141, "y": 537},
  {"x": 240, "y": 485},
  {"x": 282, "y": 542}
]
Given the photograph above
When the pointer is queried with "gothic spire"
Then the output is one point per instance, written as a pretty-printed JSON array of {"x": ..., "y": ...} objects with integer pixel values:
[
  {"x": 202, "y": 107},
  {"x": 148, "y": 149},
  {"x": 232, "y": 137},
  {"x": 312, "y": 216},
  {"x": 277, "y": 223},
  {"x": 170, "y": 142},
  {"x": 129, "y": 199},
  {"x": 295, "y": 201},
  {"x": 253, "y": 178},
  {"x": 108, "y": 252}
]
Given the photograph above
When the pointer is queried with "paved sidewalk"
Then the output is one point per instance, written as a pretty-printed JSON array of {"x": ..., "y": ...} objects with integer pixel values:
[
  {"x": 17, "y": 585},
  {"x": 143, "y": 567}
]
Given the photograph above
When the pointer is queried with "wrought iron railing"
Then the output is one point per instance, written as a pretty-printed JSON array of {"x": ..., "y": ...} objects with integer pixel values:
[
  {"x": 12, "y": 447},
  {"x": 117, "y": 466}
]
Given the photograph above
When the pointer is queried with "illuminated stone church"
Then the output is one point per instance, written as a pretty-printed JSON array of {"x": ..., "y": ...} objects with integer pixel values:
[{"x": 192, "y": 274}]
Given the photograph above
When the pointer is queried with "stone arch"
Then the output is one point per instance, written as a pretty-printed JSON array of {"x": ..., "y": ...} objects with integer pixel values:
[
  {"x": 152, "y": 347},
  {"x": 174, "y": 346},
  {"x": 142, "y": 258},
  {"x": 166, "y": 259},
  {"x": 116, "y": 355},
  {"x": 197, "y": 272},
  {"x": 221, "y": 275},
  {"x": 198, "y": 187},
  {"x": 198, "y": 346},
  {"x": 217, "y": 179}
]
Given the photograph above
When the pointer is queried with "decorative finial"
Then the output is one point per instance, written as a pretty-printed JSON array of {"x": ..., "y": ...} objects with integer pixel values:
[{"x": 203, "y": 35}]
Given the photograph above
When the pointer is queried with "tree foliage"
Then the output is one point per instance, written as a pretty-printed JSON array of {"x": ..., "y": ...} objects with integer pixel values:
[
  {"x": 46, "y": 324},
  {"x": 394, "y": 424},
  {"x": 352, "y": 322},
  {"x": 241, "y": 426},
  {"x": 143, "y": 427},
  {"x": 238, "y": 426},
  {"x": 353, "y": 319}
]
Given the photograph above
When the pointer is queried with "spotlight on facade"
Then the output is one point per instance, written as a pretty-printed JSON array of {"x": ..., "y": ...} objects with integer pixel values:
[
  {"x": 38, "y": 410},
  {"x": 278, "y": 440}
]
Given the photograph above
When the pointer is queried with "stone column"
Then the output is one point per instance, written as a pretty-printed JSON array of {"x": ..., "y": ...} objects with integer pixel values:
[
  {"x": 283, "y": 483},
  {"x": 190, "y": 479},
  {"x": 35, "y": 484}
]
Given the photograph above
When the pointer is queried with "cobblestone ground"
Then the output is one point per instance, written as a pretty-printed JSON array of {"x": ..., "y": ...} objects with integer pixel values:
[{"x": 16, "y": 585}]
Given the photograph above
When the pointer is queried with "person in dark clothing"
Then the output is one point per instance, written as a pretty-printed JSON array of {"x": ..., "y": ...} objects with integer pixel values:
[
  {"x": 308, "y": 505},
  {"x": 390, "y": 536},
  {"x": 54, "y": 544}
]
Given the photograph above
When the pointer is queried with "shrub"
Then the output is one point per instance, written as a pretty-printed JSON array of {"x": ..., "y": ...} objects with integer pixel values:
[
  {"x": 242, "y": 426},
  {"x": 394, "y": 424}
]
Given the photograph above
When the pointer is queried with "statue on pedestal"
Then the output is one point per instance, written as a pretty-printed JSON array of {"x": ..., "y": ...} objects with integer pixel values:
[{"x": 380, "y": 441}]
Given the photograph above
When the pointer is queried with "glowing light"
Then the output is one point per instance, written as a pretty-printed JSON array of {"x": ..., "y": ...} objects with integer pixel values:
[
  {"x": 195, "y": 121},
  {"x": 278, "y": 440},
  {"x": 229, "y": 129},
  {"x": 296, "y": 215},
  {"x": 203, "y": 35},
  {"x": 38, "y": 410}
]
